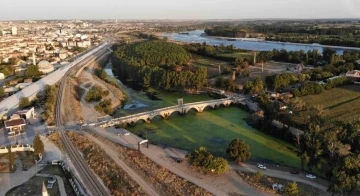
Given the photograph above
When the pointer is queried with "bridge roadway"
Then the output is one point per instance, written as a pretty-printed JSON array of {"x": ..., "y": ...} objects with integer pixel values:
[
  {"x": 166, "y": 112},
  {"x": 52, "y": 78}
]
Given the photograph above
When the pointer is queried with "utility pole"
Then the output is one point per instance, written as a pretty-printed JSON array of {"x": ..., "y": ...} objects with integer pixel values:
[
  {"x": 219, "y": 69},
  {"x": 254, "y": 58}
]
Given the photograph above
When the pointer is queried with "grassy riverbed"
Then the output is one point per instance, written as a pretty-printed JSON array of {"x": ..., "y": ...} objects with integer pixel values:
[{"x": 214, "y": 129}]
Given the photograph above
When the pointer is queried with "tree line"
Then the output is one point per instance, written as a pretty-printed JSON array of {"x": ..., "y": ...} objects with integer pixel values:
[{"x": 226, "y": 31}]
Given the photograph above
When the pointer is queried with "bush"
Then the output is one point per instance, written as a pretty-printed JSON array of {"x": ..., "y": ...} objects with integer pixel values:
[
  {"x": 206, "y": 162},
  {"x": 291, "y": 188},
  {"x": 24, "y": 102},
  {"x": 95, "y": 94},
  {"x": 257, "y": 176},
  {"x": 105, "y": 106}
]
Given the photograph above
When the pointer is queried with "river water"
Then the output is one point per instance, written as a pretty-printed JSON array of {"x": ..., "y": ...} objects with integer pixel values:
[{"x": 195, "y": 37}]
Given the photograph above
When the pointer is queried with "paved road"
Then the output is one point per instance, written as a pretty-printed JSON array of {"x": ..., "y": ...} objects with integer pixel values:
[
  {"x": 147, "y": 187},
  {"x": 279, "y": 174}
]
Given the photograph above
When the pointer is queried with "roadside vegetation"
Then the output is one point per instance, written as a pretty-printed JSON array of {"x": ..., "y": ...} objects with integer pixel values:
[
  {"x": 205, "y": 162},
  {"x": 50, "y": 102},
  {"x": 264, "y": 183}
]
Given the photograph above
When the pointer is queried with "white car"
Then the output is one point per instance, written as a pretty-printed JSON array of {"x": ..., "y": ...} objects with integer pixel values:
[
  {"x": 310, "y": 176},
  {"x": 261, "y": 166}
]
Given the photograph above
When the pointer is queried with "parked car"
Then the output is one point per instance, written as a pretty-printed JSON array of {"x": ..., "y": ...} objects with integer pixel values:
[
  {"x": 294, "y": 171},
  {"x": 310, "y": 176},
  {"x": 25, "y": 168},
  {"x": 261, "y": 166}
]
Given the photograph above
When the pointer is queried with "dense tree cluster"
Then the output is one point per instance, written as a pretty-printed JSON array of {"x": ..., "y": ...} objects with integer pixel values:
[
  {"x": 226, "y": 31},
  {"x": 153, "y": 53},
  {"x": 254, "y": 87},
  {"x": 225, "y": 83},
  {"x": 158, "y": 64},
  {"x": 105, "y": 106},
  {"x": 101, "y": 73},
  {"x": 206, "y": 162},
  {"x": 281, "y": 80}
]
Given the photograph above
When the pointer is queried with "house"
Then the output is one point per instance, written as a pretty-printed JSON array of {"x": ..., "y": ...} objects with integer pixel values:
[
  {"x": 354, "y": 74},
  {"x": 15, "y": 125}
]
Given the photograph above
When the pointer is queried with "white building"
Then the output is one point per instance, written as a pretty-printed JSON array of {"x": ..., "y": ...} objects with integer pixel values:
[
  {"x": 14, "y": 30},
  {"x": 45, "y": 67}
]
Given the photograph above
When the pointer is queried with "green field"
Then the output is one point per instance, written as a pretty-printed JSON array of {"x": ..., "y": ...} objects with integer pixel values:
[
  {"x": 214, "y": 129},
  {"x": 341, "y": 103},
  {"x": 247, "y": 55}
]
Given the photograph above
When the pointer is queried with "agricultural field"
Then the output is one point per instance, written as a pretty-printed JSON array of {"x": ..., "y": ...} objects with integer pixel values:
[
  {"x": 214, "y": 129},
  {"x": 212, "y": 65},
  {"x": 246, "y": 55},
  {"x": 341, "y": 103}
]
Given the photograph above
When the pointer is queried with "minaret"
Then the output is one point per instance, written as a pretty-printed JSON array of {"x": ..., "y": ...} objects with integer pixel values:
[
  {"x": 34, "y": 58},
  {"x": 44, "y": 190}
]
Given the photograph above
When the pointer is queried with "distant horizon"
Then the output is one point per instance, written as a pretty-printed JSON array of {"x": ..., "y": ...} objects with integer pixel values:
[
  {"x": 179, "y": 19},
  {"x": 179, "y": 10}
]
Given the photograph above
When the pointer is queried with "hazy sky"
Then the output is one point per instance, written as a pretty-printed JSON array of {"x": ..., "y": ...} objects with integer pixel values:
[{"x": 177, "y": 9}]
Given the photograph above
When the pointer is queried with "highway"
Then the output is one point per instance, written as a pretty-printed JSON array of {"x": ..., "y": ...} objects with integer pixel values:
[
  {"x": 31, "y": 90},
  {"x": 92, "y": 184}
]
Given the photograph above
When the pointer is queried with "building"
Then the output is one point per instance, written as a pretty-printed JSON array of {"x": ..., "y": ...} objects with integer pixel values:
[
  {"x": 354, "y": 74},
  {"x": 14, "y": 30},
  {"x": 15, "y": 125},
  {"x": 45, "y": 67}
]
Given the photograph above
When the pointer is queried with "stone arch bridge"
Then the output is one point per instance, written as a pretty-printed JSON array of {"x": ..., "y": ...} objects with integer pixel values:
[{"x": 166, "y": 112}]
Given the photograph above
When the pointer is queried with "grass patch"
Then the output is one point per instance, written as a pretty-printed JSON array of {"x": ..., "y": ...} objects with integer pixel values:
[
  {"x": 248, "y": 55},
  {"x": 57, "y": 170},
  {"x": 33, "y": 187},
  {"x": 214, "y": 129},
  {"x": 341, "y": 103},
  {"x": 166, "y": 99}
]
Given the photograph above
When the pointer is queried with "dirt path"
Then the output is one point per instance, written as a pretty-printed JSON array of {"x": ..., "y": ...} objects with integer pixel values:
[
  {"x": 230, "y": 182},
  {"x": 148, "y": 188}
]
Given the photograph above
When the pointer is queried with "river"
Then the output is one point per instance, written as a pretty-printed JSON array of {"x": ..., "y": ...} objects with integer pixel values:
[{"x": 195, "y": 37}]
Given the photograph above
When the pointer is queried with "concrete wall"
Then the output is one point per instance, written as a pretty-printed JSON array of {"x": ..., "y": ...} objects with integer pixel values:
[{"x": 17, "y": 148}]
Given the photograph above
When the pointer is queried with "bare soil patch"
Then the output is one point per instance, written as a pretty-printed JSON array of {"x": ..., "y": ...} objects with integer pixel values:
[
  {"x": 166, "y": 182},
  {"x": 72, "y": 106},
  {"x": 117, "y": 180}
]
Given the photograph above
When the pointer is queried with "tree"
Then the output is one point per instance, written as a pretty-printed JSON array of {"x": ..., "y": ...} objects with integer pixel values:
[
  {"x": 24, "y": 102},
  {"x": 32, "y": 71},
  {"x": 346, "y": 177},
  {"x": 2, "y": 92},
  {"x": 38, "y": 145},
  {"x": 238, "y": 150},
  {"x": 291, "y": 188},
  {"x": 11, "y": 158}
]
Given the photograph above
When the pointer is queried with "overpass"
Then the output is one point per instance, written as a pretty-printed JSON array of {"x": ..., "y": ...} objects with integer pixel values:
[
  {"x": 166, "y": 112},
  {"x": 31, "y": 90}
]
